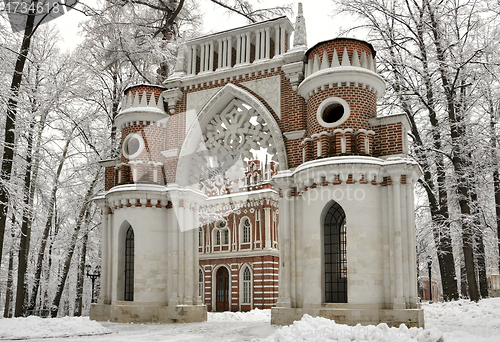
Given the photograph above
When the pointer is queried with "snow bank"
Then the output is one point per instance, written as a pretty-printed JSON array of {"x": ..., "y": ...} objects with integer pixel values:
[
  {"x": 36, "y": 327},
  {"x": 318, "y": 329},
  {"x": 463, "y": 320},
  {"x": 256, "y": 315}
]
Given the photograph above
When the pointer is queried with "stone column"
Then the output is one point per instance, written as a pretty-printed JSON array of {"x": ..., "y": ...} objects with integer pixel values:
[
  {"x": 219, "y": 59},
  {"x": 411, "y": 241},
  {"x": 202, "y": 58},
  {"x": 181, "y": 251},
  {"x": 404, "y": 243},
  {"x": 248, "y": 48},
  {"x": 292, "y": 255},
  {"x": 211, "y": 57},
  {"x": 390, "y": 214},
  {"x": 238, "y": 49},
  {"x": 193, "y": 67},
  {"x": 267, "y": 227},
  {"x": 268, "y": 43},
  {"x": 229, "y": 51},
  {"x": 105, "y": 257},
  {"x": 257, "y": 44},
  {"x": 189, "y": 62},
  {"x": 282, "y": 40},
  {"x": 188, "y": 253},
  {"x": 284, "y": 299},
  {"x": 173, "y": 262},
  {"x": 277, "y": 40},
  {"x": 399, "y": 301}
]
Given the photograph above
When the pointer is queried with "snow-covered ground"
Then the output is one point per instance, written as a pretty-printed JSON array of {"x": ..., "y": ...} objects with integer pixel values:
[{"x": 460, "y": 321}]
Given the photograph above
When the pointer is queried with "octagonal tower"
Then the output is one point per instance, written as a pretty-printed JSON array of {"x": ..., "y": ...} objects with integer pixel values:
[{"x": 347, "y": 229}]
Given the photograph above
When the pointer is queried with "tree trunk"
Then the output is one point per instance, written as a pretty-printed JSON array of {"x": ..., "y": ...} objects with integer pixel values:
[
  {"x": 464, "y": 287},
  {"x": 67, "y": 261},
  {"x": 10, "y": 121},
  {"x": 479, "y": 244},
  {"x": 496, "y": 175},
  {"x": 48, "y": 225},
  {"x": 81, "y": 271},
  {"x": 24, "y": 244},
  {"x": 481, "y": 264},
  {"x": 10, "y": 276}
]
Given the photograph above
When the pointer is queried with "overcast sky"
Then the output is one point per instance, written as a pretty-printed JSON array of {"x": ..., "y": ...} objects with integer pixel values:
[{"x": 318, "y": 14}]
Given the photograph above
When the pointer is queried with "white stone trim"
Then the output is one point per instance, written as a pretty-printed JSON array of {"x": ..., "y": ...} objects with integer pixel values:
[
  {"x": 139, "y": 150},
  {"x": 245, "y": 253},
  {"x": 322, "y": 78},
  {"x": 170, "y": 153},
  {"x": 140, "y": 114},
  {"x": 329, "y": 101},
  {"x": 217, "y": 103},
  {"x": 391, "y": 119},
  {"x": 295, "y": 134}
]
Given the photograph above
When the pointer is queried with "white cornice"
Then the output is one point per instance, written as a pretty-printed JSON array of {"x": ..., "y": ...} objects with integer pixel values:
[
  {"x": 391, "y": 119},
  {"x": 349, "y": 74},
  {"x": 239, "y": 254},
  {"x": 235, "y": 73},
  {"x": 244, "y": 29},
  {"x": 140, "y": 114}
]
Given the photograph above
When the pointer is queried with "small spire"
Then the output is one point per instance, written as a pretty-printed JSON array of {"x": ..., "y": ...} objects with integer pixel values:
[
  {"x": 180, "y": 65},
  {"x": 355, "y": 59},
  {"x": 144, "y": 99},
  {"x": 300, "y": 35},
  {"x": 335, "y": 59},
  {"x": 363, "y": 61},
  {"x": 324, "y": 62},
  {"x": 345, "y": 58},
  {"x": 315, "y": 64}
]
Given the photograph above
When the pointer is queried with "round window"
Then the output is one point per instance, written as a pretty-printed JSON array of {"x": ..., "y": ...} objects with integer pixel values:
[
  {"x": 333, "y": 112},
  {"x": 133, "y": 146}
]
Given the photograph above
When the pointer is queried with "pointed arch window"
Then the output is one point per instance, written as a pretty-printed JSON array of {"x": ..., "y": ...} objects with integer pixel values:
[
  {"x": 129, "y": 265},
  {"x": 200, "y": 283},
  {"x": 200, "y": 237},
  {"x": 247, "y": 286},
  {"x": 335, "y": 255},
  {"x": 217, "y": 237},
  {"x": 246, "y": 229}
]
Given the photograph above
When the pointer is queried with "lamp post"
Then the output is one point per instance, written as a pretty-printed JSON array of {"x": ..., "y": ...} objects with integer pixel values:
[
  {"x": 429, "y": 266},
  {"x": 93, "y": 277}
]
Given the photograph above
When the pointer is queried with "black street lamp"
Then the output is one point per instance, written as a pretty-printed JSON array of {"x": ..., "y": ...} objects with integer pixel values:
[
  {"x": 429, "y": 266},
  {"x": 93, "y": 277}
]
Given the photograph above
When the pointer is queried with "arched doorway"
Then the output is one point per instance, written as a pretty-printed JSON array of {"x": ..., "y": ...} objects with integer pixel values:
[
  {"x": 129, "y": 265},
  {"x": 222, "y": 290},
  {"x": 335, "y": 255}
]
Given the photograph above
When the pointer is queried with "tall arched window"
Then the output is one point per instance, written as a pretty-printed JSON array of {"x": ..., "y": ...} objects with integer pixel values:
[
  {"x": 226, "y": 236},
  {"x": 335, "y": 255},
  {"x": 200, "y": 237},
  {"x": 247, "y": 286},
  {"x": 246, "y": 227},
  {"x": 217, "y": 238},
  {"x": 200, "y": 284},
  {"x": 129, "y": 265}
]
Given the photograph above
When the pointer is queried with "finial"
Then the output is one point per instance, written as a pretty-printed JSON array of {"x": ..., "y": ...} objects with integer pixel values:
[
  {"x": 300, "y": 35},
  {"x": 180, "y": 65}
]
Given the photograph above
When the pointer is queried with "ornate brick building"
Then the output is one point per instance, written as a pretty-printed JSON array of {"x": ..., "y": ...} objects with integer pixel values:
[
  {"x": 174, "y": 242},
  {"x": 238, "y": 238}
]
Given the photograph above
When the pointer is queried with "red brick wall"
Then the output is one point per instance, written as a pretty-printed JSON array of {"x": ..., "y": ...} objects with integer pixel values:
[
  {"x": 339, "y": 45},
  {"x": 264, "y": 269},
  {"x": 388, "y": 139},
  {"x": 150, "y": 89}
]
